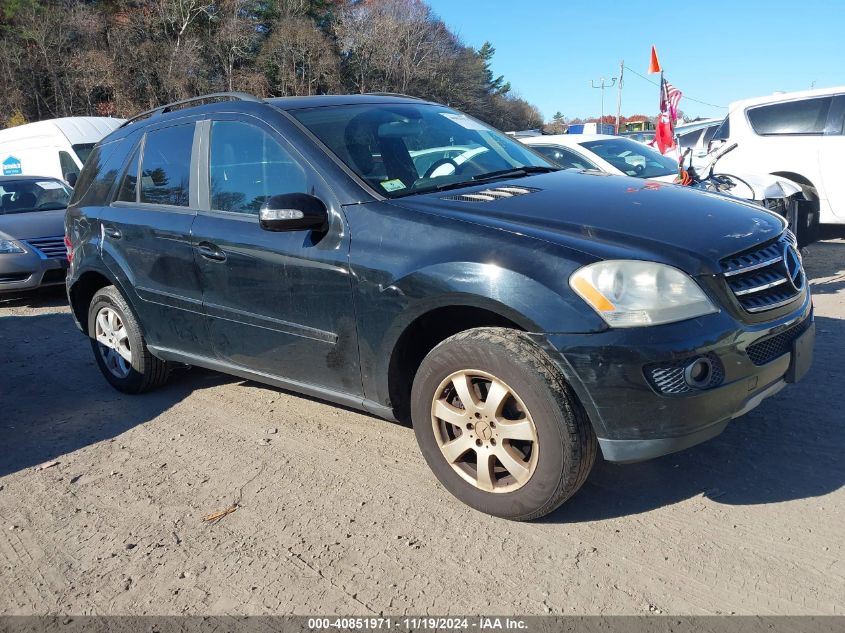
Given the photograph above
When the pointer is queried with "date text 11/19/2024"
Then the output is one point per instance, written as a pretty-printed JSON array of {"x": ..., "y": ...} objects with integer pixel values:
[{"x": 411, "y": 623}]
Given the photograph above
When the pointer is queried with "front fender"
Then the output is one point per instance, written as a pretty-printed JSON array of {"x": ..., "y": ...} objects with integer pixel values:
[
  {"x": 527, "y": 302},
  {"x": 385, "y": 312}
]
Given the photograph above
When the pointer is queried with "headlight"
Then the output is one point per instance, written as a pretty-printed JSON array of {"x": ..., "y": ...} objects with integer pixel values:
[
  {"x": 10, "y": 246},
  {"x": 630, "y": 293}
]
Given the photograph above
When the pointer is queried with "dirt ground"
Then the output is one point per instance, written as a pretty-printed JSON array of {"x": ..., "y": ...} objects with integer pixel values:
[{"x": 338, "y": 513}]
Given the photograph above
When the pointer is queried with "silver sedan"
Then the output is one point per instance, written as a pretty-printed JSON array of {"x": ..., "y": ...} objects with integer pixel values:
[{"x": 32, "y": 249}]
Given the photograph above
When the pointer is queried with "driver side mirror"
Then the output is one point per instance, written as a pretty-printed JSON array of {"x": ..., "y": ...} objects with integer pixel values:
[
  {"x": 293, "y": 212},
  {"x": 71, "y": 178}
]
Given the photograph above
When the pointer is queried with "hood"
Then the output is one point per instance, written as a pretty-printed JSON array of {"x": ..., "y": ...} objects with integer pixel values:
[
  {"x": 614, "y": 217},
  {"x": 27, "y": 226}
]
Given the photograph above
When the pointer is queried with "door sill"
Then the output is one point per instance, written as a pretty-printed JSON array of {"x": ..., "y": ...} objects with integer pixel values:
[{"x": 314, "y": 391}]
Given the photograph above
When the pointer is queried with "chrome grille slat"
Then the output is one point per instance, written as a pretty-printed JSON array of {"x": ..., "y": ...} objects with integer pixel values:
[
  {"x": 48, "y": 247},
  {"x": 742, "y": 271},
  {"x": 759, "y": 278},
  {"x": 770, "y": 306}
]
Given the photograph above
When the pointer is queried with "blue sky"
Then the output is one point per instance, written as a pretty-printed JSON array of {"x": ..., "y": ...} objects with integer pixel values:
[{"x": 716, "y": 51}]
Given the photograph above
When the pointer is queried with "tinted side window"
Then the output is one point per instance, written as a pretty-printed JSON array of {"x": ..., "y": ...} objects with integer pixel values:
[
  {"x": 723, "y": 132},
  {"x": 689, "y": 139},
  {"x": 68, "y": 166},
  {"x": 807, "y": 116},
  {"x": 836, "y": 122},
  {"x": 565, "y": 158},
  {"x": 129, "y": 184},
  {"x": 708, "y": 134},
  {"x": 99, "y": 173},
  {"x": 166, "y": 165},
  {"x": 247, "y": 166}
]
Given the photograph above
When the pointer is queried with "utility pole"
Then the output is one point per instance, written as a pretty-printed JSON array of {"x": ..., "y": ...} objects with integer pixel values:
[
  {"x": 602, "y": 85},
  {"x": 619, "y": 94}
]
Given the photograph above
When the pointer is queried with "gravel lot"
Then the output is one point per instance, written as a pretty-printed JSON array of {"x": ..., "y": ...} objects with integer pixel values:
[{"x": 338, "y": 513}]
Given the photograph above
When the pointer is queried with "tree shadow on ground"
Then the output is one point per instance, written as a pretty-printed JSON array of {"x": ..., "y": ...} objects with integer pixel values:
[{"x": 53, "y": 398}]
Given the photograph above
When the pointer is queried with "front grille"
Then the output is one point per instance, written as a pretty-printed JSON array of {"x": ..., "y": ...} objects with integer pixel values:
[
  {"x": 767, "y": 350},
  {"x": 668, "y": 378},
  {"x": 494, "y": 193},
  {"x": 766, "y": 277},
  {"x": 49, "y": 247}
]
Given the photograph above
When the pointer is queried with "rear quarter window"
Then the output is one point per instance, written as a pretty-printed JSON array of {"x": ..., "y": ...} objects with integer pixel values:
[
  {"x": 689, "y": 139},
  {"x": 99, "y": 173},
  {"x": 805, "y": 116}
]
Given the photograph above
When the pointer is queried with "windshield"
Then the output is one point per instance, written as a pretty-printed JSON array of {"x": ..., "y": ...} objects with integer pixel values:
[
  {"x": 83, "y": 150},
  {"x": 402, "y": 149},
  {"x": 25, "y": 196},
  {"x": 632, "y": 158}
]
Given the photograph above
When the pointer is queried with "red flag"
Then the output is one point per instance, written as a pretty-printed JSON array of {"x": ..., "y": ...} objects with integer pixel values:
[
  {"x": 663, "y": 138},
  {"x": 654, "y": 66}
]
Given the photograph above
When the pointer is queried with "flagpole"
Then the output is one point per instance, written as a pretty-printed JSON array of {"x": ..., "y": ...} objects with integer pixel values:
[
  {"x": 619, "y": 94},
  {"x": 660, "y": 102}
]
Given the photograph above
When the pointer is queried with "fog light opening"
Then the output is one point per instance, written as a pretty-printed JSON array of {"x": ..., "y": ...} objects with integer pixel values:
[{"x": 698, "y": 373}]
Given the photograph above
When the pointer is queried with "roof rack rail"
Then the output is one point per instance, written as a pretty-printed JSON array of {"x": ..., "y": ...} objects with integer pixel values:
[
  {"x": 234, "y": 96},
  {"x": 393, "y": 94}
]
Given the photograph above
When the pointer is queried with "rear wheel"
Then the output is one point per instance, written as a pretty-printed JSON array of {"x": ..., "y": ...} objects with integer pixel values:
[
  {"x": 119, "y": 347},
  {"x": 499, "y": 426}
]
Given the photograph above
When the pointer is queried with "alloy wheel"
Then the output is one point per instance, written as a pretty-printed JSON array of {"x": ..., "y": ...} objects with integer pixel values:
[
  {"x": 484, "y": 431},
  {"x": 113, "y": 342}
]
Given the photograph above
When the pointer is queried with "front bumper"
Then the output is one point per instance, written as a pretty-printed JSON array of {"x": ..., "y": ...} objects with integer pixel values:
[
  {"x": 29, "y": 270},
  {"x": 612, "y": 372}
]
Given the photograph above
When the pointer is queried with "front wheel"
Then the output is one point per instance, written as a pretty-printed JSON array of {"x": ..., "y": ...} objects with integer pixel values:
[
  {"x": 499, "y": 426},
  {"x": 119, "y": 347}
]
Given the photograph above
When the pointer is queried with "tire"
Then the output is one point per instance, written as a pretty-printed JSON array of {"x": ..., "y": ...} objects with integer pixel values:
[
  {"x": 142, "y": 371},
  {"x": 543, "y": 471}
]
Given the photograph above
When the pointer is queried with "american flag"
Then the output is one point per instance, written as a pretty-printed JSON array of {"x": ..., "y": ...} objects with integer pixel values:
[{"x": 670, "y": 97}]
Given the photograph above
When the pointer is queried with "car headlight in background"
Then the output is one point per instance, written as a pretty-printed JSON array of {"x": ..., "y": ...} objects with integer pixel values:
[
  {"x": 10, "y": 246},
  {"x": 632, "y": 293}
]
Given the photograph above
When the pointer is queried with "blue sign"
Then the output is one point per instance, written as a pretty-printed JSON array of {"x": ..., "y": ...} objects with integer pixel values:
[{"x": 12, "y": 166}]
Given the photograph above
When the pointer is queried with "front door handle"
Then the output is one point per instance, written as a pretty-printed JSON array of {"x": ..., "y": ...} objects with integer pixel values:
[
  {"x": 112, "y": 232},
  {"x": 210, "y": 251}
]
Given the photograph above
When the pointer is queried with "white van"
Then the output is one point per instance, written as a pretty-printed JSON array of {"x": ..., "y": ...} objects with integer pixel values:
[
  {"x": 56, "y": 147},
  {"x": 797, "y": 135}
]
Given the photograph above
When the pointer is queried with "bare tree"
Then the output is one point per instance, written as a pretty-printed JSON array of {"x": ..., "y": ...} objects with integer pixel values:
[
  {"x": 232, "y": 36},
  {"x": 298, "y": 59},
  {"x": 177, "y": 16},
  {"x": 66, "y": 57}
]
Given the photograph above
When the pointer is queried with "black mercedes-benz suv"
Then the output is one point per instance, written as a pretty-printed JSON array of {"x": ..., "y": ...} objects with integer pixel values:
[{"x": 399, "y": 257}]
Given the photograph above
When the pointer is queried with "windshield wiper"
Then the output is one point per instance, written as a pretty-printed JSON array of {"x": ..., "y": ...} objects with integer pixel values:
[
  {"x": 514, "y": 172},
  {"x": 503, "y": 173}
]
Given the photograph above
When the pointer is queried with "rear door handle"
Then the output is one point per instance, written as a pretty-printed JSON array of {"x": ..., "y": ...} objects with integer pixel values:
[
  {"x": 210, "y": 251},
  {"x": 112, "y": 232}
]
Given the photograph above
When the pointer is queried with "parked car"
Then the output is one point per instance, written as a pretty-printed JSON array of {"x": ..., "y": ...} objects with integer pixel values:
[
  {"x": 696, "y": 138},
  {"x": 32, "y": 247},
  {"x": 624, "y": 156},
  {"x": 797, "y": 135},
  {"x": 589, "y": 128},
  {"x": 646, "y": 136},
  {"x": 56, "y": 148},
  {"x": 520, "y": 315},
  {"x": 610, "y": 154}
]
